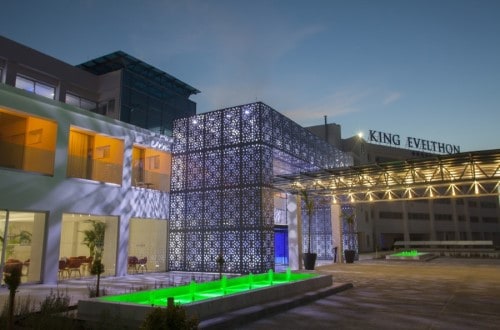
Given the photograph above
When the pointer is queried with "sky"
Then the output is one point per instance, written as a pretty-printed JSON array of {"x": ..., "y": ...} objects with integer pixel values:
[{"x": 427, "y": 69}]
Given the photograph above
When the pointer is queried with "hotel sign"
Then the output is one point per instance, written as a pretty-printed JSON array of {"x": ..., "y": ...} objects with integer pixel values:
[{"x": 413, "y": 143}]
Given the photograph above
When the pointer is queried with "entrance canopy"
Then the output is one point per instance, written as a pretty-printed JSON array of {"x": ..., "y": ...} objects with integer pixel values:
[{"x": 459, "y": 175}]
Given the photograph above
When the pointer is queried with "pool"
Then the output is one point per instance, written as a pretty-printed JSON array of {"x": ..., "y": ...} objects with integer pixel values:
[
  {"x": 194, "y": 292},
  {"x": 410, "y": 255},
  {"x": 207, "y": 299}
]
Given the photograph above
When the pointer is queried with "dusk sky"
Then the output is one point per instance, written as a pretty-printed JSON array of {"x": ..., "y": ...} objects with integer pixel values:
[{"x": 425, "y": 69}]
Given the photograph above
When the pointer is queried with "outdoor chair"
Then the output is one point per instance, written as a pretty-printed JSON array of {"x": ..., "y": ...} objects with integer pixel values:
[{"x": 143, "y": 264}]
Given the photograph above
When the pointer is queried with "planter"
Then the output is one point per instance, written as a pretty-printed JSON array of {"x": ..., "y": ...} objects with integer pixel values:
[
  {"x": 349, "y": 256},
  {"x": 309, "y": 260}
]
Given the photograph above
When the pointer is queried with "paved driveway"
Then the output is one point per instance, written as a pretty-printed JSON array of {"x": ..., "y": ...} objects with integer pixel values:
[{"x": 443, "y": 293}]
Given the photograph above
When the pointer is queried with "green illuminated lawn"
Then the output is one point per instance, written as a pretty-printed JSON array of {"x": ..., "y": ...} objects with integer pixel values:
[{"x": 195, "y": 292}]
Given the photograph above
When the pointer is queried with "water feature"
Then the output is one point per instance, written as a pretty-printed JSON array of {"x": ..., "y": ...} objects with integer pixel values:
[
  {"x": 208, "y": 290},
  {"x": 410, "y": 255},
  {"x": 207, "y": 299}
]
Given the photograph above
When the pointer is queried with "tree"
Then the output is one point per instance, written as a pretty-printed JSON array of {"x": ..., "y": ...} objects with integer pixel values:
[
  {"x": 309, "y": 203},
  {"x": 94, "y": 240},
  {"x": 12, "y": 280},
  {"x": 309, "y": 257}
]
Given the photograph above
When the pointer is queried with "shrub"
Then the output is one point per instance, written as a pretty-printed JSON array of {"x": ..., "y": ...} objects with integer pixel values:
[{"x": 172, "y": 317}]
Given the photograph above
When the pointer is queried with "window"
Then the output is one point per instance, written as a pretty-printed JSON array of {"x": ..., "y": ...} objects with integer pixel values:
[
  {"x": 490, "y": 220},
  {"x": 94, "y": 156},
  {"x": 27, "y": 143},
  {"x": 151, "y": 168},
  {"x": 36, "y": 87},
  {"x": 488, "y": 205},
  {"x": 390, "y": 215},
  {"x": 23, "y": 243},
  {"x": 443, "y": 217},
  {"x": 147, "y": 246},
  {"x": 80, "y": 102},
  {"x": 78, "y": 233},
  {"x": 418, "y": 216}
]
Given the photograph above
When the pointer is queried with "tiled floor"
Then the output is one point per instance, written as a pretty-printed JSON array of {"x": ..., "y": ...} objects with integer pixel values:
[{"x": 443, "y": 293}]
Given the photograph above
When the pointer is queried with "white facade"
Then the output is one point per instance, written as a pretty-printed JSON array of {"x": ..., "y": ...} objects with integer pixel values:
[{"x": 57, "y": 197}]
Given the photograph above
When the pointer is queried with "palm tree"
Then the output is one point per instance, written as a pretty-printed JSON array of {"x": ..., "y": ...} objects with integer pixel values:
[
  {"x": 94, "y": 240},
  {"x": 309, "y": 258},
  {"x": 350, "y": 250}
]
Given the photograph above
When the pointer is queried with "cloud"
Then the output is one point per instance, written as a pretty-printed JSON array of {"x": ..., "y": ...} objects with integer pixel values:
[
  {"x": 391, "y": 98},
  {"x": 333, "y": 105}
]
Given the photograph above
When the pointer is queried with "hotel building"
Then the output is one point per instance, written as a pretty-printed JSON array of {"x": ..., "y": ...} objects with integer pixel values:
[
  {"x": 380, "y": 224},
  {"x": 118, "y": 142}
]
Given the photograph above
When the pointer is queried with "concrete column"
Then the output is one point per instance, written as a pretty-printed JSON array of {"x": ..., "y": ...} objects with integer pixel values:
[
  {"x": 11, "y": 73},
  {"x": 52, "y": 247},
  {"x": 432, "y": 221},
  {"x": 455, "y": 218},
  {"x": 468, "y": 229},
  {"x": 337, "y": 231},
  {"x": 406, "y": 230},
  {"x": 294, "y": 231}
]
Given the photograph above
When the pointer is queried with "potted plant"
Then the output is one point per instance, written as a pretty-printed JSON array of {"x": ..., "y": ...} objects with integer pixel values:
[
  {"x": 309, "y": 257},
  {"x": 350, "y": 251},
  {"x": 94, "y": 240}
]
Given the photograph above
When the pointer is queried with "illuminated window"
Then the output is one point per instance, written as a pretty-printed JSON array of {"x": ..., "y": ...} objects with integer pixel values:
[
  {"x": 27, "y": 143},
  {"x": 151, "y": 168},
  {"x": 23, "y": 246},
  {"x": 36, "y": 87},
  {"x": 78, "y": 233},
  {"x": 94, "y": 156}
]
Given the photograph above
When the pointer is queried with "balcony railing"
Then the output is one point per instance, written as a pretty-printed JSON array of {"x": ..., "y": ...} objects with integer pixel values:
[
  {"x": 151, "y": 180},
  {"x": 22, "y": 157},
  {"x": 93, "y": 169}
]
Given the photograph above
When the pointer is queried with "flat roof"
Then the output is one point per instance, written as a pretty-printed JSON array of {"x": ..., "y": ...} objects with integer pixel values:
[{"x": 119, "y": 60}]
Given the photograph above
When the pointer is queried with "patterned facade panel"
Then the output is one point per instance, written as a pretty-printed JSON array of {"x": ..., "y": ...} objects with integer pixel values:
[
  {"x": 251, "y": 210},
  {"x": 180, "y": 135},
  {"x": 194, "y": 211},
  {"x": 267, "y": 208},
  {"x": 231, "y": 209},
  {"x": 267, "y": 166},
  {"x": 231, "y": 250},
  {"x": 213, "y": 129},
  {"x": 287, "y": 136},
  {"x": 195, "y": 132},
  {"x": 213, "y": 168},
  {"x": 250, "y": 123},
  {"x": 266, "y": 120},
  {"x": 177, "y": 211},
  {"x": 178, "y": 178},
  {"x": 231, "y": 166},
  {"x": 250, "y": 163},
  {"x": 277, "y": 130},
  {"x": 231, "y": 126},
  {"x": 252, "y": 252},
  {"x": 177, "y": 251},
  {"x": 268, "y": 247},
  {"x": 211, "y": 249},
  {"x": 321, "y": 230},
  {"x": 195, "y": 170},
  {"x": 194, "y": 254},
  {"x": 212, "y": 214}
]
